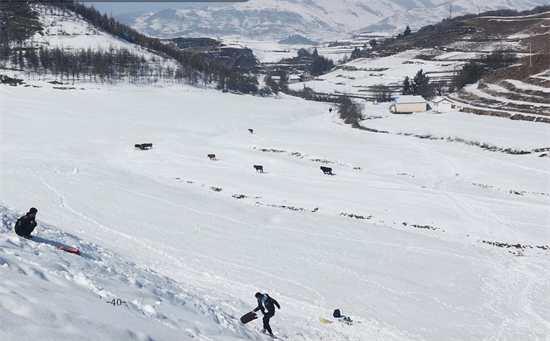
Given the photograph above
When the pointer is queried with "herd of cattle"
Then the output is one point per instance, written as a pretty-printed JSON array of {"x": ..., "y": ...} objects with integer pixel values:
[{"x": 258, "y": 168}]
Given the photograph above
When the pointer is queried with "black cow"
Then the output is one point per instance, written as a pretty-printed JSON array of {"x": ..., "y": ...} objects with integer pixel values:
[
  {"x": 212, "y": 156},
  {"x": 143, "y": 146},
  {"x": 326, "y": 170},
  {"x": 259, "y": 168}
]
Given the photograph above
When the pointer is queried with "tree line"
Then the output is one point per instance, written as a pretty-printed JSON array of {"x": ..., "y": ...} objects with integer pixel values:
[
  {"x": 105, "y": 65},
  {"x": 18, "y": 22},
  {"x": 318, "y": 64},
  {"x": 474, "y": 70}
]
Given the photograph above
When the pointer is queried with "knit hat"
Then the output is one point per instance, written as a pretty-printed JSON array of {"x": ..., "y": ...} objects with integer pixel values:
[{"x": 33, "y": 210}]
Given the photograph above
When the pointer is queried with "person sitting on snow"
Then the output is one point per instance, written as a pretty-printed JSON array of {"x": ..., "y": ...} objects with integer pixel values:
[
  {"x": 269, "y": 303},
  {"x": 26, "y": 224}
]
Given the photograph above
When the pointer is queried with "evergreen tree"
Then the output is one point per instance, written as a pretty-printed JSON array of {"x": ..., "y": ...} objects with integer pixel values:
[
  {"x": 321, "y": 65},
  {"x": 421, "y": 85},
  {"x": 406, "y": 86},
  {"x": 303, "y": 53},
  {"x": 471, "y": 72},
  {"x": 407, "y": 31},
  {"x": 356, "y": 53}
]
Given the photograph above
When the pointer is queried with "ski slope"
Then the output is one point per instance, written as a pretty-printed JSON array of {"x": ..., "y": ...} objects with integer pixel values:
[
  {"x": 49, "y": 294},
  {"x": 202, "y": 236}
]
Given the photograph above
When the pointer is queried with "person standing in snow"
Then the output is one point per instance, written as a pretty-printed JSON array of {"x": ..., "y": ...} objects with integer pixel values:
[
  {"x": 26, "y": 224},
  {"x": 266, "y": 303}
]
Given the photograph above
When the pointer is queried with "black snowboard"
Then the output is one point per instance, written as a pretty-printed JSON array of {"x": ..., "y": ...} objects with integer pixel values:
[{"x": 248, "y": 317}]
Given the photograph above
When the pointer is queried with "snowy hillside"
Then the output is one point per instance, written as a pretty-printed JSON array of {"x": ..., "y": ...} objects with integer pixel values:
[
  {"x": 65, "y": 29},
  {"x": 50, "y": 294},
  {"x": 316, "y": 19},
  {"x": 357, "y": 76},
  {"x": 413, "y": 238}
]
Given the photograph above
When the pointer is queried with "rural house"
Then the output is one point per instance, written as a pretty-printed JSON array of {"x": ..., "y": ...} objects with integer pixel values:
[
  {"x": 441, "y": 104},
  {"x": 409, "y": 103}
]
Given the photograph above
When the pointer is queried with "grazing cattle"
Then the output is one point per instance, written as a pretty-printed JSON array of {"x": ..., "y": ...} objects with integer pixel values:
[
  {"x": 251, "y": 131},
  {"x": 259, "y": 168},
  {"x": 326, "y": 170},
  {"x": 143, "y": 146},
  {"x": 212, "y": 156}
]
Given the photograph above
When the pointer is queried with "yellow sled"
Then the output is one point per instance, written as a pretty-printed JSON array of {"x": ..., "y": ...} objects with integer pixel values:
[{"x": 322, "y": 320}]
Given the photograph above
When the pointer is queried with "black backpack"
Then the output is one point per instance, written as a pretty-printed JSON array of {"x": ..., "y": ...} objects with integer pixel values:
[{"x": 336, "y": 313}]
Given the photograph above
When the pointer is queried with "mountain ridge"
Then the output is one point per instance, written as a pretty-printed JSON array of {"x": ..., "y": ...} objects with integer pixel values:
[{"x": 314, "y": 19}]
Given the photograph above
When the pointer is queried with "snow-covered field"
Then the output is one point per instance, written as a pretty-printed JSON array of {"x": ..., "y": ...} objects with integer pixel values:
[
  {"x": 167, "y": 225},
  {"x": 272, "y": 52},
  {"x": 485, "y": 129}
]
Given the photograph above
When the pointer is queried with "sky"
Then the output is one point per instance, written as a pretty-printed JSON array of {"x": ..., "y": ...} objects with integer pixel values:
[{"x": 120, "y": 7}]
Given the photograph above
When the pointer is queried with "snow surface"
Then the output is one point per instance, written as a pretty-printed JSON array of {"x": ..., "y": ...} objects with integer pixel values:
[
  {"x": 49, "y": 294},
  {"x": 272, "y": 52},
  {"x": 524, "y": 86},
  {"x": 497, "y": 88},
  {"x": 154, "y": 218},
  {"x": 473, "y": 88},
  {"x": 522, "y": 135}
]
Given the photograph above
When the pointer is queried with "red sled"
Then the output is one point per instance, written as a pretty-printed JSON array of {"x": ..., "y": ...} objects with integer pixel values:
[{"x": 70, "y": 250}]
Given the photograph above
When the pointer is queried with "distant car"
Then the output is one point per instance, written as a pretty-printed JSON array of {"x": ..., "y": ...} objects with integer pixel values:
[{"x": 225, "y": 90}]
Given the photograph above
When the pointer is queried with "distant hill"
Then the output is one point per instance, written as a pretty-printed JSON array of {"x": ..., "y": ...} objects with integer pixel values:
[{"x": 296, "y": 39}]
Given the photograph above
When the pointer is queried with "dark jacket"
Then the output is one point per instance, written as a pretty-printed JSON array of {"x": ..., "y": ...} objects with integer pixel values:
[
  {"x": 267, "y": 302},
  {"x": 25, "y": 225}
]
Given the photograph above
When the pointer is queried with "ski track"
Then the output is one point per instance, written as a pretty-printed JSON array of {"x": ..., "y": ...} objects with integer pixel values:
[
  {"x": 164, "y": 255},
  {"x": 157, "y": 248},
  {"x": 83, "y": 216}
]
